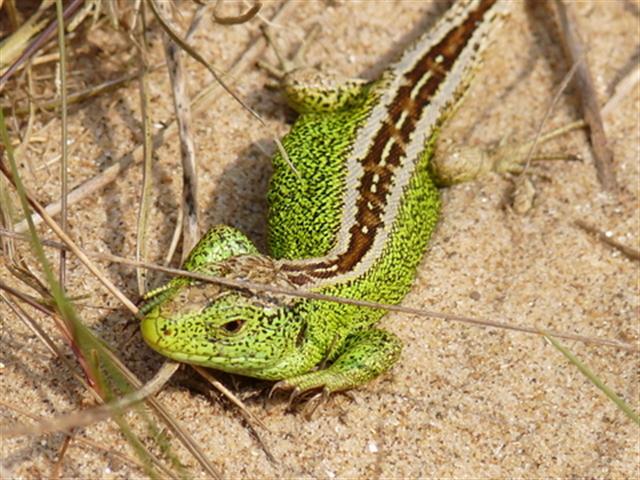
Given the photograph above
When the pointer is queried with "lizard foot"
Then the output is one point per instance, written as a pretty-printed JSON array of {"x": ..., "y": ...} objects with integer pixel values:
[{"x": 310, "y": 398}]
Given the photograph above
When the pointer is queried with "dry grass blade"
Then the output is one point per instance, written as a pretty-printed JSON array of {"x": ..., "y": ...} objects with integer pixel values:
[
  {"x": 175, "y": 237},
  {"x": 622, "y": 90},
  {"x": 85, "y": 441},
  {"x": 173, "y": 425},
  {"x": 349, "y": 301},
  {"x": 519, "y": 373},
  {"x": 56, "y": 469},
  {"x": 181, "y": 103},
  {"x": 167, "y": 369},
  {"x": 563, "y": 85},
  {"x": 12, "y": 12},
  {"x": 169, "y": 419},
  {"x": 198, "y": 16},
  {"x": 186, "y": 47},
  {"x": 243, "y": 409},
  {"x": 64, "y": 189},
  {"x": 30, "y": 121},
  {"x": 39, "y": 331},
  {"x": 81, "y": 336},
  {"x": 201, "y": 102},
  {"x": 39, "y": 41},
  {"x": 11, "y": 47},
  {"x": 242, "y": 18},
  {"x": 249, "y": 417},
  {"x": 539, "y": 138},
  {"x": 11, "y": 173},
  {"x": 109, "y": 285},
  {"x": 187, "y": 150},
  {"x": 14, "y": 44},
  {"x": 96, "y": 414},
  {"x": 88, "y": 349},
  {"x": 155, "y": 384},
  {"x": 146, "y": 190},
  {"x": 576, "y": 51},
  {"x": 7, "y": 218},
  {"x": 77, "y": 97}
]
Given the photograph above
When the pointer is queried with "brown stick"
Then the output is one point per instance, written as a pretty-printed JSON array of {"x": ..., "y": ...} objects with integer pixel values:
[
  {"x": 294, "y": 292},
  {"x": 603, "y": 157},
  {"x": 203, "y": 101},
  {"x": 630, "y": 253}
]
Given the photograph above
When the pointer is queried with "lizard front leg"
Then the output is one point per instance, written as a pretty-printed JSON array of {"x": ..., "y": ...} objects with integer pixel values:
[{"x": 364, "y": 356}]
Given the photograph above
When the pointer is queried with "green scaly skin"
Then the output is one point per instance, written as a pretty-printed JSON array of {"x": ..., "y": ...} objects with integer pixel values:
[
  {"x": 270, "y": 338},
  {"x": 316, "y": 344}
]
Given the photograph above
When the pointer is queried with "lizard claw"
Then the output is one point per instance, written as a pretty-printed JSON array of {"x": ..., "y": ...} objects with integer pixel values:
[
  {"x": 314, "y": 402},
  {"x": 296, "y": 393},
  {"x": 279, "y": 386},
  {"x": 284, "y": 385}
]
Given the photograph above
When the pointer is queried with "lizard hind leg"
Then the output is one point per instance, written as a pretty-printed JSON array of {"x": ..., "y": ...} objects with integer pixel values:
[
  {"x": 454, "y": 164},
  {"x": 365, "y": 355},
  {"x": 309, "y": 89}
]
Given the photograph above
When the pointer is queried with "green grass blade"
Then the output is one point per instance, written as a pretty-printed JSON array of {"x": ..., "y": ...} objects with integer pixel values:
[{"x": 593, "y": 378}]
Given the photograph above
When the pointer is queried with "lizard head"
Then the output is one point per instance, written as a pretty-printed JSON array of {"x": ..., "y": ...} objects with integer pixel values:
[{"x": 236, "y": 331}]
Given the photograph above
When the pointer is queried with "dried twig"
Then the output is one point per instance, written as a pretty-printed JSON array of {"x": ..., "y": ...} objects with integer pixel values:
[
  {"x": 242, "y": 18},
  {"x": 628, "y": 252},
  {"x": 147, "y": 149},
  {"x": 202, "y": 101},
  {"x": 237, "y": 284},
  {"x": 173, "y": 55},
  {"x": 603, "y": 157},
  {"x": 39, "y": 41}
]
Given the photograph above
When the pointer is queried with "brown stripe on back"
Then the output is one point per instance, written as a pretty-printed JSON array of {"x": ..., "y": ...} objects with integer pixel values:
[{"x": 368, "y": 220}]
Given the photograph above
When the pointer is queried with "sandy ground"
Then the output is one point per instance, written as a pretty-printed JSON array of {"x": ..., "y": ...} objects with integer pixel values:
[{"x": 463, "y": 401}]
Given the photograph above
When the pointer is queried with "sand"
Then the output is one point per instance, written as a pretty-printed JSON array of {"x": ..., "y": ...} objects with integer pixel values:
[{"x": 463, "y": 401}]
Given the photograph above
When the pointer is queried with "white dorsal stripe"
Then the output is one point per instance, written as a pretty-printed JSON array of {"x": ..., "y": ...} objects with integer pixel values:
[
  {"x": 394, "y": 79},
  {"x": 442, "y": 99}
]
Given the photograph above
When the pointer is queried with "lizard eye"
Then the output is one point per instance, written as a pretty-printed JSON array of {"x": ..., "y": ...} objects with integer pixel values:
[{"x": 233, "y": 326}]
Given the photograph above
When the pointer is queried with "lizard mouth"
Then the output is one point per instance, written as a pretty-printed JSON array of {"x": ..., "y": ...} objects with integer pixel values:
[{"x": 160, "y": 336}]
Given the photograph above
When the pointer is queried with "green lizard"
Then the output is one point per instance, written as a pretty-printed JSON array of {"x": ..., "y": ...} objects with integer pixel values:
[{"x": 351, "y": 219}]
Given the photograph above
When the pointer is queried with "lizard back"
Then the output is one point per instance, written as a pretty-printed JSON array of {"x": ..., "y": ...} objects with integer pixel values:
[
  {"x": 354, "y": 217},
  {"x": 349, "y": 217}
]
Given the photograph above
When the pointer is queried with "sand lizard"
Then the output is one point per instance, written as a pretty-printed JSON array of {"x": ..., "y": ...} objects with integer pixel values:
[{"x": 352, "y": 219}]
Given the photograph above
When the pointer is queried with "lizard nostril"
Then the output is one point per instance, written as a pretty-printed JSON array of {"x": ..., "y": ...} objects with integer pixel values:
[{"x": 167, "y": 332}]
